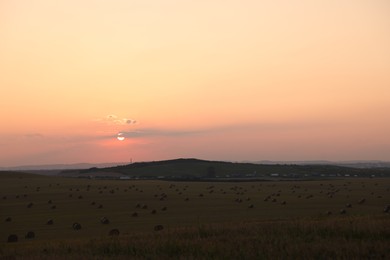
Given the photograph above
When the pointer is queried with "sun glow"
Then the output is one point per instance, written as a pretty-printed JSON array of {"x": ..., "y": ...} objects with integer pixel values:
[{"x": 120, "y": 137}]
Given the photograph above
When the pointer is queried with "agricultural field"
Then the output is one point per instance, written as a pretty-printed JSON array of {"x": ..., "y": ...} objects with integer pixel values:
[{"x": 55, "y": 217}]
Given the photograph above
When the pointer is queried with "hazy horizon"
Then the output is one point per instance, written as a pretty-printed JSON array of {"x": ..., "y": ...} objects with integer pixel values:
[{"x": 100, "y": 81}]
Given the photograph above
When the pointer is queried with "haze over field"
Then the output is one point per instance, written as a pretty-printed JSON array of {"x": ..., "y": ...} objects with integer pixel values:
[{"x": 219, "y": 80}]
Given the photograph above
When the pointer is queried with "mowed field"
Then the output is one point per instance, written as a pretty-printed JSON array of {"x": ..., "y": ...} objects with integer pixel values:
[{"x": 135, "y": 208}]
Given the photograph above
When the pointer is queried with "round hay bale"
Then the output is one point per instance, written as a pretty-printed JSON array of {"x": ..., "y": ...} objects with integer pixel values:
[
  {"x": 9, "y": 219},
  {"x": 76, "y": 226},
  {"x": 50, "y": 222},
  {"x": 386, "y": 209},
  {"x": 135, "y": 214},
  {"x": 164, "y": 209},
  {"x": 343, "y": 211},
  {"x": 158, "y": 227},
  {"x": 30, "y": 205},
  {"x": 30, "y": 235},
  {"x": 114, "y": 232},
  {"x": 154, "y": 211},
  {"x": 12, "y": 238},
  {"x": 104, "y": 221}
]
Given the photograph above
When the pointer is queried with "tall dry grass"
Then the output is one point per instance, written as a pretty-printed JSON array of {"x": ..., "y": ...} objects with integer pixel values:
[{"x": 339, "y": 237}]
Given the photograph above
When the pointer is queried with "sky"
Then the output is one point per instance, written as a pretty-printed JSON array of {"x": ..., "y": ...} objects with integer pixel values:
[{"x": 228, "y": 80}]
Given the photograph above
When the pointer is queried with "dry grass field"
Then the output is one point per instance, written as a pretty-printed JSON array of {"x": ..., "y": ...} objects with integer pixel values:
[{"x": 340, "y": 218}]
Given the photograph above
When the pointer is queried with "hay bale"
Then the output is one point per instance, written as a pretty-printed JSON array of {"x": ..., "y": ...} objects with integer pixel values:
[
  {"x": 158, "y": 227},
  {"x": 104, "y": 221},
  {"x": 76, "y": 226},
  {"x": 30, "y": 205},
  {"x": 114, "y": 232},
  {"x": 135, "y": 214},
  {"x": 30, "y": 235},
  {"x": 9, "y": 219},
  {"x": 50, "y": 222},
  {"x": 12, "y": 238}
]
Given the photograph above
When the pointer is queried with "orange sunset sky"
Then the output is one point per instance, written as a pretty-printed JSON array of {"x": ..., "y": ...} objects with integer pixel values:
[{"x": 211, "y": 79}]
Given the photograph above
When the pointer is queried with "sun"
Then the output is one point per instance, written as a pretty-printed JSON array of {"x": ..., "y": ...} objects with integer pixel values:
[{"x": 120, "y": 137}]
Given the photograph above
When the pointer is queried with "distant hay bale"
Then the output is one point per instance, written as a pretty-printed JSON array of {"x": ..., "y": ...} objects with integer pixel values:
[
  {"x": 145, "y": 206},
  {"x": 93, "y": 203},
  {"x": 154, "y": 211},
  {"x": 164, "y": 209},
  {"x": 12, "y": 238},
  {"x": 50, "y": 202},
  {"x": 135, "y": 214},
  {"x": 284, "y": 202},
  {"x": 329, "y": 212},
  {"x": 53, "y": 207},
  {"x": 138, "y": 206},
  {"x": 343, "y": 211},
  {"x": 386, "y": 209},
  {"x": 349, "y": 205},
  {"x": 100, "y": 206},
  {"x": 8, "y": 219},
  {"x": 104, "y": 221},
  {"x": 30, "y": 235},
  {"x": 251, "y": 206},
  {"x": 76, "y": 226},
  {"x": 30, "y": 205},
  {"x": 50, "y": 222},
  {"x": 158, "y": 227},
  {"x": 362, "y": 201},
  {"x": 114, "y": 232},
  {"x": 80, "y": 197}
]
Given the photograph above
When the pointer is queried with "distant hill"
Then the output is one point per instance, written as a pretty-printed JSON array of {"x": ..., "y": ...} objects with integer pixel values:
[
  {"x": 14, "y": 174},
  {"x": 353, "y": 164},
  {"x": 195, "y": 168},
  {"x": 59, "y": 166}
]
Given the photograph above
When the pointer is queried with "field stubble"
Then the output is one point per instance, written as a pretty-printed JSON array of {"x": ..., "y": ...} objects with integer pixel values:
[{"x": 200, "y": 220}]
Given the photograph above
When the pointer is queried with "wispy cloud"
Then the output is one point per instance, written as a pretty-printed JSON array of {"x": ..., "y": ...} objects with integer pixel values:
[
  {"x": 34, "y": 135},
  {"x": 152, "y": 132},
  {"x": 115, "y": 120}
]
